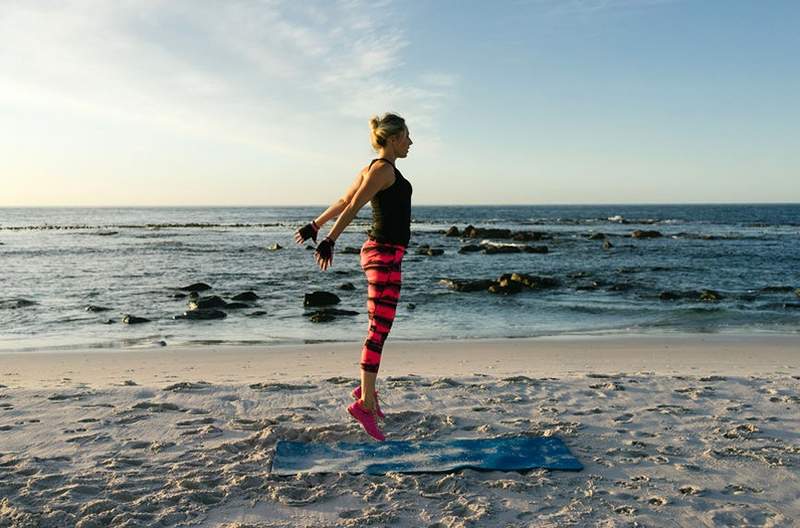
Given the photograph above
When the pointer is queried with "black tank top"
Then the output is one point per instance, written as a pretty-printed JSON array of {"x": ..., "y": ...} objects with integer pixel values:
[{"x": 391, "y": 211}]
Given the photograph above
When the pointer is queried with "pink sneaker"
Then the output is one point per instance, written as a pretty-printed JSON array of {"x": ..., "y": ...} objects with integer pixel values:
[
  {"x": 367, "y": 420},
  {"x": 357, "y": 395}
]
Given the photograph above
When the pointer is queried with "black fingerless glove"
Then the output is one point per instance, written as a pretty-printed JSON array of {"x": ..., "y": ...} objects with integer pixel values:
[
  {"x": 325, "y": 249},
  {"x": 309, "y": 231}
]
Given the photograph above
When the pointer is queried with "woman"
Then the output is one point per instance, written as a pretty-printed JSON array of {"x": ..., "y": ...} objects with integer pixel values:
[{"x": 389, "y": 193}]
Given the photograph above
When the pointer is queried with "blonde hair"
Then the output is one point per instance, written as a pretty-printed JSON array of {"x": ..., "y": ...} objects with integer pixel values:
[{"x": 384, "y": 127}]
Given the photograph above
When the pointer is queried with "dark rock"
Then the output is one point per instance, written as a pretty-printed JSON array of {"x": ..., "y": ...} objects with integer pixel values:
[
  {"x": 236, "y": 306},
  {"x": 607, "y": 244},
  {"x": 333, "y": 311},
  {"x": 205, "y": 303},
  {"x": 469, "y": 248},
  {"x": 196, "y": 287},
  {"x": 532, "y": 281},
  {"x": 493, "y": 249},
  {"x": 709, "y": 295},
  {"x": 349, "y": 250},
  {"x": 321, "y": 317},
  {"x": 274, "y": 247},
  {"x": 466, "y": 285},
  {"x": 412, "y": 306},
  {"x": 109, "y": 321},
  {"x": 452, "y": 232},
  {"x": 791, "y": 306},
  {"x": 194, "y": 295},
  {"x": 105, "y": 233},
  {"x": 202, "y": 315},
  {"x": 132, "y": 319},
  {"x": 13, "y": 304},
  {"x": 797, "y": 292},
  {"x": 320, "y": 298},
  {"x": 425, "y": 249},
  {"x": 258, "y": 313},
  {"x": 528, "y": 236},
  {"x": 506, "y": 286},
  {"x": 536, "y": 249},
  {"x": 669, "y": 296},
  {"x": 476, "y": 232},
  {"x": 646, "y": 234},
  {"x": 179, "y": 296},
  {"x": 93, "y": 308},
  {"x": 246, "y": 296},
  {"x": 777, "y": 289},
  {"x": 597, "y": 236},
  {"x": 348, "y": 286}
]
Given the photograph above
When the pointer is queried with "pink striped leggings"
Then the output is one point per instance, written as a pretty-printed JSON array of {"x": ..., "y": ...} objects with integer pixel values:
[{"x": 381, "y": 263}]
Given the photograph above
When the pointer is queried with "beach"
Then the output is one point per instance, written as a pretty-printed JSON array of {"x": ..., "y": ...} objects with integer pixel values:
[{"x": 672, "y": 430}]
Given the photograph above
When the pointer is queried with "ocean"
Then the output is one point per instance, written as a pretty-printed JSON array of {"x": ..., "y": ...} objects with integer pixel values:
[{"x": 54, "y": 262}]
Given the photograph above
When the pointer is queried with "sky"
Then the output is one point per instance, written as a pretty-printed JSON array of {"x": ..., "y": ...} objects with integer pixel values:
[{"x": 187, "y": 102}]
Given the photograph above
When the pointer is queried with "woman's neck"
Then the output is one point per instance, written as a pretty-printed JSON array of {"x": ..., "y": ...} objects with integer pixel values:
[{"x": 391, "y": 156}]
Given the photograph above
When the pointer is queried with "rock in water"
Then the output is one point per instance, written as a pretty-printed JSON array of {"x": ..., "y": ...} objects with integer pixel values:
[
  {"x": 710, "y": 295},
  {"x": 322, "y": 317},
  {"x": 16, "y": 303},
  {"x": 536, "y": 249},
  {"x": 348, "y": 286},
  {"x": 196, "y": 287},
  {"x": 132, "y": 319},
  {"x": 646, "y": 234},
  {"x": 320, "y": 298},
  {"x": 469, "y": 248},
  {"x": 204, "y": 303},
  {"x": 92, "y": 308},
  {"x": 246, "y": 296},
  {"x": 202, "y": 315},
  {"x": 275, "y": 247}
]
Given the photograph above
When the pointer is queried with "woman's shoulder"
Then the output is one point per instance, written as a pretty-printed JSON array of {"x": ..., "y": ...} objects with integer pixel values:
[{"x": 382, "y": 170}]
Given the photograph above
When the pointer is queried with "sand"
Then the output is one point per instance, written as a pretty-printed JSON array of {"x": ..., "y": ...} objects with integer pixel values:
[{"x": 673, "y": 430}]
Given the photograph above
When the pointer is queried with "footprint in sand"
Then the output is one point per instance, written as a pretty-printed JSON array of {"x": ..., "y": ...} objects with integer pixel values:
[
  {"x": 624, "y": 418},
  {"x": 278, "y": 387},
  {"x": 690, "y": 490},
  {"x": 188, "y": 386}
]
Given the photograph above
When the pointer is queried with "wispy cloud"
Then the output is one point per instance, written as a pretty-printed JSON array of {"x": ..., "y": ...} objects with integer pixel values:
[
  {"x": 590, "y": 7},
  {"x": 262, "y": 73}
]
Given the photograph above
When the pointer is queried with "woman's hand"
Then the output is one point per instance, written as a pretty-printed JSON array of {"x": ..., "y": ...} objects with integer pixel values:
[
  {"x": 324, "y": 253},
  {"x": 306, "y": 232}
]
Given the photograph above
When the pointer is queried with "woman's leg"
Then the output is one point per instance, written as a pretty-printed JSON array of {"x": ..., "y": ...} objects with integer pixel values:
[{"x": 381, "y": 265}]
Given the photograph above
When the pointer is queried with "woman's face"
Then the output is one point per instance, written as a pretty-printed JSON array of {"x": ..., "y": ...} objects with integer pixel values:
[{"x": 402, "y": 142}]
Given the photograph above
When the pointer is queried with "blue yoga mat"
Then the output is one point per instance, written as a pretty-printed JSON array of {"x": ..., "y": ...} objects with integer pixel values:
[{"x": 376, "y": 458}]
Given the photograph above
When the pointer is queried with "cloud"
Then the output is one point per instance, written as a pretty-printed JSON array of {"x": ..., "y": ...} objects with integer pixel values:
[
  {"x": 590, "y": 7},
  {"x": 262, "y": 73}
]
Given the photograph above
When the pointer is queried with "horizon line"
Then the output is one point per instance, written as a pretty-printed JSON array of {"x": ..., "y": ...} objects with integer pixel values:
[{"x": 560, "y": 204}]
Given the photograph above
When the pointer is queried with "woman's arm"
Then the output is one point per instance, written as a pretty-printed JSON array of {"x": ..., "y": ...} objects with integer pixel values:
[
  {"x": 338, "y": 206},
  {"x": 310, "y": 230},
  {"x": 378, "y": 178}
]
